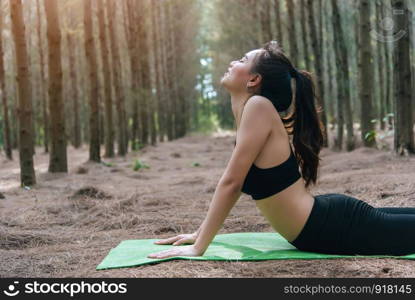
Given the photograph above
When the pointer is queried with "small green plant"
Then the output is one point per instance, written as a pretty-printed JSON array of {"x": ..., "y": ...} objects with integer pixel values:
[
  {"x": 370, "y": 135},
  {"x": 137, "y": 147},
  {"x": 140, "y": 145},
  {"x": 195, "y": 164},
  {"x": 138, "y": 164},
  {"x": 106, "y": 164}
]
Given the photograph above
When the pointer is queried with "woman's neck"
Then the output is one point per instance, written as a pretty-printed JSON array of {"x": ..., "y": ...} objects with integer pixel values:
[{"x": 238, "y": 101}]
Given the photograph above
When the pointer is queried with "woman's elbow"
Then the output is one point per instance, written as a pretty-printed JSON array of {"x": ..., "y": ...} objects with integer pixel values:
[{"x": 231, "y": 184}]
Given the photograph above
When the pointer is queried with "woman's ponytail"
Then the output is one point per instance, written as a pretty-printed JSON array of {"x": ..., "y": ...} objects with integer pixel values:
[
  {"x": 305, "y": 125},
  {"x": 300, "y": 116}
]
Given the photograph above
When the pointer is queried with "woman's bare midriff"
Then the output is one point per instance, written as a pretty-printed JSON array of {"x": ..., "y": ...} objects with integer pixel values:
[{"x": 288, "y": 210}]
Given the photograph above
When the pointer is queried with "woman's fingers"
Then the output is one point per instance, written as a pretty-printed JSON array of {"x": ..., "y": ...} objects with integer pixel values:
[
  {"x": 179, "y": 242},
  {"x": 162, "y": 254},
  {"x": 168, "y": 240}
]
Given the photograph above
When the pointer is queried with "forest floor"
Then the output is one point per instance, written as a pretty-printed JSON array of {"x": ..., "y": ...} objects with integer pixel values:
[{"x": 67, "y": 223}]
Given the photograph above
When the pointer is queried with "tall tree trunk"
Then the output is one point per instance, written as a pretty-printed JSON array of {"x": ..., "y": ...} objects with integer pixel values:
[
  {"x": 344, "y": 98},
  {"x": 57, "y": 158},
  {"x": 291, "y": 25},
  {"x": 4, "y": 97},
  {"x": 174, "y": 54},
  {"x": 155, "y": 11},
  {"x": 318, "y": 66},
  {"x": 74, "y": 86},
  {"x": 171, "y": 67},
  {"x": 167, "y": 69},
  {"x": 14, "y": 117},
  {"x": 303, "y": 19},
  {"x": 131, "y": 33},
  {"x": 43, "y": 92},
  {"x": 27, "y": 8},
  {"x": 380, "y": 68},
  {"x": 24, "y": 109},
  {"x": 404, "y": 136},
  {"x": 388, "y": 75},
  {"x": 252, "y": 7},
  {"x": 265, "y": 13},
  {"x": 278, "y": 22},
  {"x": 331, "y": 80},
  {"x": 366, "y": 76},
  {"x": 119, "y": 94},
  {"x": 94, "y": 146},
  {"x": 109, "y": 132},
  {"x": 146, "y": 113}
]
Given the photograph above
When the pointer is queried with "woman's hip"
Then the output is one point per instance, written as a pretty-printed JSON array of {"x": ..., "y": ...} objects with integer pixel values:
[{"x": 333, "y": 217}]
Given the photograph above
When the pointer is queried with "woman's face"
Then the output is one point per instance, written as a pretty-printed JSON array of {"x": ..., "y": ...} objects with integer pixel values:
[{"x": 238, "y": 74}]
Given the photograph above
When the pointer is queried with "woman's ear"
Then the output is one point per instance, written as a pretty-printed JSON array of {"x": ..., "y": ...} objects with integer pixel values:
[{"x": 254, "y": 81}]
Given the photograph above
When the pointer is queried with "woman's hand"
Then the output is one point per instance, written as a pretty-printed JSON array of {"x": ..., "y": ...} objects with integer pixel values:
[
  {"x": 178, "y": 239},
  {"x": 177, "y": 251}
]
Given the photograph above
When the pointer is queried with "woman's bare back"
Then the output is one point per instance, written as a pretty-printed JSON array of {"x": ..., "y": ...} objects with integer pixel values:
[{"x": 287, "y": 211}]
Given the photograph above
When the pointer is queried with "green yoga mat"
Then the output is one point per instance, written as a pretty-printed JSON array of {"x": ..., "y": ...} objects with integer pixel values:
[{"x": 249, "y": 246}]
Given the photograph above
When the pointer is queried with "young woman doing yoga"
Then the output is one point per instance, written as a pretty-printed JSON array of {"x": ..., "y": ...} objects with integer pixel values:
[{"x": 264, "y": 165}]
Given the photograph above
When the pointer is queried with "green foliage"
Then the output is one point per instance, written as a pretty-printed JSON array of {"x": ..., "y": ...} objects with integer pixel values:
[
  {"x": 106, "y": 164},
  {"x": 207, "y": 124},
  {"x": 138, "y": 164},
  {"x": 370, "y": 135},
  {"x": 140, "y": 145},
  {"x": 195, "y": 164}
]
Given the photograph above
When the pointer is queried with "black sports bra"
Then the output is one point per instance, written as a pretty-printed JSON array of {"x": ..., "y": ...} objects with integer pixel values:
[{"x": 261, "y": 183}]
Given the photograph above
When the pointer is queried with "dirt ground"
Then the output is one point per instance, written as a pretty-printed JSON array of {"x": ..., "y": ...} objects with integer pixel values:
[{"x": 67, "y": 223}]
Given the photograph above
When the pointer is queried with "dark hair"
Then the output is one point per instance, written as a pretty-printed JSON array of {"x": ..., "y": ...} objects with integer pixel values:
[{"x": 302, "y": 122}]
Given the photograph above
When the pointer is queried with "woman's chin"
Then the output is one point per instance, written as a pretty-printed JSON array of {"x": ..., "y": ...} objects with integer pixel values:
[
  {"x": 224, "y": 84},
  {"x": 224, "y": 80}
]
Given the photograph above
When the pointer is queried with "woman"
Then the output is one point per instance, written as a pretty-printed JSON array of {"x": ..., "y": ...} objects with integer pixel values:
[{"x": 263, "y": 165}]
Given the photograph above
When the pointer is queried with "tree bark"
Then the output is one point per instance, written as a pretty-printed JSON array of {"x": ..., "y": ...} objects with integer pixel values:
[
  {"x": 318, "y": 66},
  {"x": 119, "y": 94},
  {"x": 278, "y": 23},
  {"x": 4, "y": 98},
  {"x": 155, "y": 11},
  {"x": 57, "y": 157},
  {"x": 43, "y": 92},
  {"x": 74, "y": 86},
  {"x": 94, "y": 132},
  {"x": 109, "y": 132},
  {"x": 291, "y": 25},
  {"x": 366, "y": 76},
  {"x": 344, "y": 98},
  {"x": 24, "y": 109},
  {"x": 404, "y": 136}
]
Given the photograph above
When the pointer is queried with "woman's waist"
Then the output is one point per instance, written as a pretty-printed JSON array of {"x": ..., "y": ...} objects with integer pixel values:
[{"x": 287, "y": 212}]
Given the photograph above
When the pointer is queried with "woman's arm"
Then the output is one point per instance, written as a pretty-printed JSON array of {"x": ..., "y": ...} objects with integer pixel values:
[
  {"x": 224, "y": 199},
  {"x": 255, "y": 127}
]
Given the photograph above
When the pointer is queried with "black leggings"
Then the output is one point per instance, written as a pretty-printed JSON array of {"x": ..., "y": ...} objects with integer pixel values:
[{"x": 341, "y": 224}]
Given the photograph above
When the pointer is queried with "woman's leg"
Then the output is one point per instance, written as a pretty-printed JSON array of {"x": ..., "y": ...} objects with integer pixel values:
[
  {"x": 384, "y": 233},
  {"x": 342, "y": 224},
  {"x": 367, "y": 230},
  {"x": 397, "y": 210}
]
